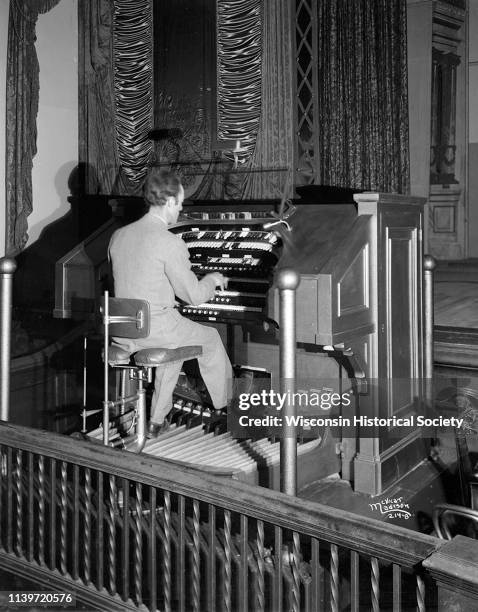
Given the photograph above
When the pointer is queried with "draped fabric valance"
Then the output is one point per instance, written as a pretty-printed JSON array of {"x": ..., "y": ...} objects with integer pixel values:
[
  {"x": 22, "y": 88},
  {"x": 239, "y": 71},
  {"x": 119, "y": 94},
  {"x": 133, "y": 85},
  {"x": 115, "y": 94}
]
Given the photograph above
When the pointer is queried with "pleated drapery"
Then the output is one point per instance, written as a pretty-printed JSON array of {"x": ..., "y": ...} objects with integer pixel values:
[
  {"x": 363, "y": 101},
  {"x": 274, "y": 142},
  {"x": 239, "y": 63},
  {"x": 115, "y": 94},
  {"x": 22, "y": 91},
  {"x": 133, "y": 85}
]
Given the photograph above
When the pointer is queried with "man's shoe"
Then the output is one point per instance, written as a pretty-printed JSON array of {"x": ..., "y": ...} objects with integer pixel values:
[{"x": 153, "y": 430}]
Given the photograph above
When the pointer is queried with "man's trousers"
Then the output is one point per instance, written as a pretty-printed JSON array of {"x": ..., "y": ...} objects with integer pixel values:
[{"x": 171, "y": 330}]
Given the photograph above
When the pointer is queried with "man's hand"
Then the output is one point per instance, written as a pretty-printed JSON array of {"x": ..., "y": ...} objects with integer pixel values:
[{"x": 219, "y": 279}]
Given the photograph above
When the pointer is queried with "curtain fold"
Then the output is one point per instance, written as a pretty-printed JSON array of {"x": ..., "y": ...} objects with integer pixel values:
[
  {"x": 116, "y": 94},
  {"x": 97, "y": 139},
  {"x": 22, "y": 91},
  {"x": 275, "y": 137},
  {"x": 133, "y": 85},
  {"x": 240, "y": 47},
  {"x": 363, "y": 102}
]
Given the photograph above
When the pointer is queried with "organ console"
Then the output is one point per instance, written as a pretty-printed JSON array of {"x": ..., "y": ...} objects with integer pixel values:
[{"x": 359, "y": 308}]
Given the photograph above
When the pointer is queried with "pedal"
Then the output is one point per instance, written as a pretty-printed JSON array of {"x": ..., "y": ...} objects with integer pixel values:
[
  {"x": 193, "y": 421},
  {"x": 216, "y": 424}
]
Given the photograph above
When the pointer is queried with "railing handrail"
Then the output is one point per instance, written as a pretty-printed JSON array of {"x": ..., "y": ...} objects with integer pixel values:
[
  {"x": 44, "y": 354},
  {"x": 368, "y": 536}
]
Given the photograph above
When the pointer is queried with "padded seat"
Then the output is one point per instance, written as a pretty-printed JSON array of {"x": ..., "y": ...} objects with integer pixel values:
[
  {"x": 152, "y": 357},
  {"x": 118, "y": 356}
]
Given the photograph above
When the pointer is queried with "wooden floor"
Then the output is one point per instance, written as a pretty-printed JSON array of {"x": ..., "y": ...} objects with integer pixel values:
[
  {"x": 456, "y": 294},
  {"x": 456, "y": 304}
]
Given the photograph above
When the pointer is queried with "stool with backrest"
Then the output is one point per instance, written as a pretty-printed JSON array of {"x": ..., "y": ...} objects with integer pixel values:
[{"x": 130, "y": 318}]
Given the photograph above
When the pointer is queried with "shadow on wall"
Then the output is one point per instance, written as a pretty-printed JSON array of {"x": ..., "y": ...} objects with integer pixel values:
[{"x": 34, "y": 280}]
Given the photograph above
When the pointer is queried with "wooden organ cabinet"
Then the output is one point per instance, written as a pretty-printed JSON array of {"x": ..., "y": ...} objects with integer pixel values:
[
  {"x": 359, "y": 309},
  {"x": 394, "y": 352}
]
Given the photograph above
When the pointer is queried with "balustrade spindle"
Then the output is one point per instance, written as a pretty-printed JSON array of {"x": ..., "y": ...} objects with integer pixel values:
[
  {"x": 375, "y": 570},
  {"x": 100, "y": 532},
  {"x": 420, "y": 594},
  {"x": 181, "y": 586},
  {"x": 126, "y": 533},
  {"x": 167, "y": 552},
  {"x": 260, "y": 596},
  {"x": 244, "y": 583},
  {"x": 227, "y": 560},
  {"x": 41, "y": 510},
  {"x": 53, "y": 510},
  {"x": 138, "y": 546},
  {"x": 9, "y": 501},
  {"x": 76, "y": 522},
  {"x": 307, "y": 606},
  {"x": 63, "y": 518},
  {"x": 278, "y": 565},
  {"x": 19, "y": 496},
  {"x": 397, "y": 588},
  {"x": 354, "y": 581},
  {"x": 334, "y": 577},
  {"x": 31, "y": 498},
  {"x": 212, "y": 558},
  {"x": 87, "y": 530},
  {"x": 196, "y": 592},
  {"x": 152, "y": 570},
  {"x": 316, "y": 571},
  {"x": 112, "y": 535},
  {"x": 295, "y": 572}
]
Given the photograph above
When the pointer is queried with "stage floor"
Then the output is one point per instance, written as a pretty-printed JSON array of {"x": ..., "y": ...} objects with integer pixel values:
[{"x": 456, "y": 294}]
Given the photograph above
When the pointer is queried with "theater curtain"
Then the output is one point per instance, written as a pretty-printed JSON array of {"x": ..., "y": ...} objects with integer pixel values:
[
  {"x": 254, "y": 92},
  {"x": 115, "y": 94},
  {"x": 22, "y": 90},
  {"x": 363, "y": 104},
  {"x": 240, "y": 48},
  {"x": 275, "y": 137}
]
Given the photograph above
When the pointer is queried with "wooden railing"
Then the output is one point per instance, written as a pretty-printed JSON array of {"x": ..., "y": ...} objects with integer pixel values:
[{"x": 125, "y": 531}]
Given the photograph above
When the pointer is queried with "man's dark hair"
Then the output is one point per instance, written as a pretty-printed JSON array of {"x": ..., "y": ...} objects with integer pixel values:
[{"x": 159, "y": 186}]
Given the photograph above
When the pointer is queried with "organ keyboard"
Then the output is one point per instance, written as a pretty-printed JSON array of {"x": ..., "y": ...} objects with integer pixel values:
[{"x": 246, "y": 254}]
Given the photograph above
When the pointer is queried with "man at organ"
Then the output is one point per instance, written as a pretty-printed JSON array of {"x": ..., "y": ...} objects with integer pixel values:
[{"x": 151, "y": 263}]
